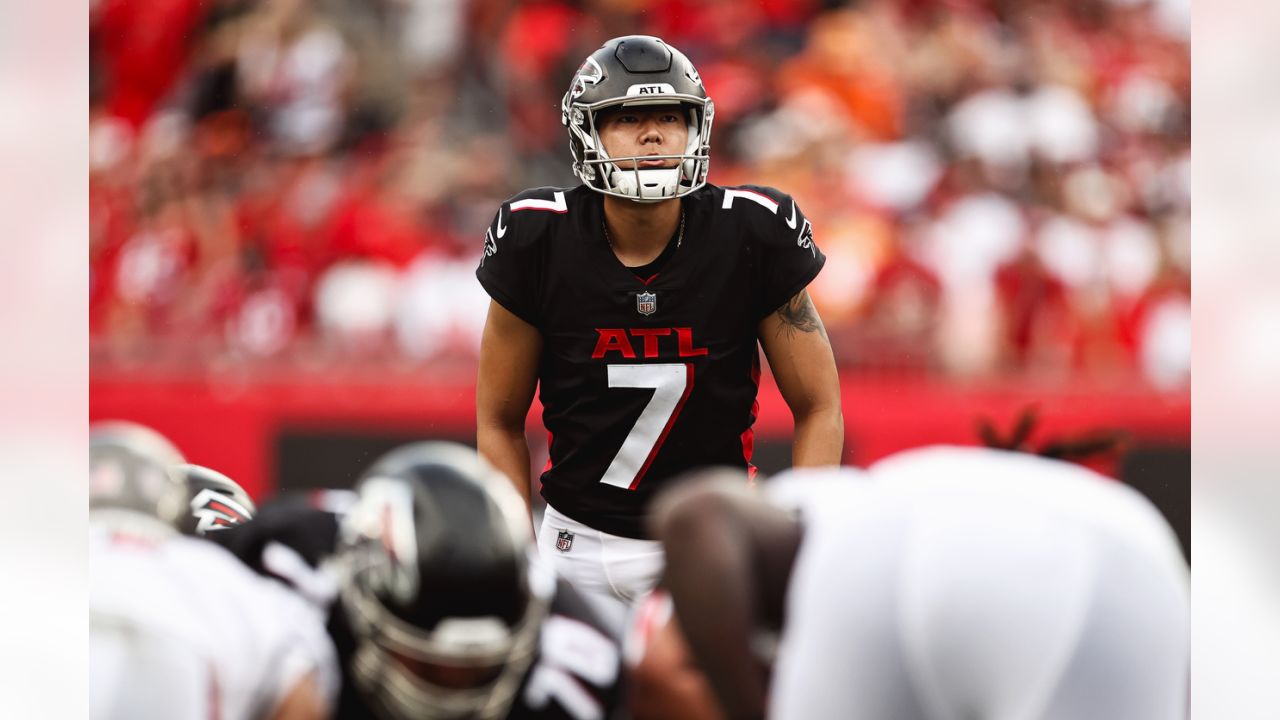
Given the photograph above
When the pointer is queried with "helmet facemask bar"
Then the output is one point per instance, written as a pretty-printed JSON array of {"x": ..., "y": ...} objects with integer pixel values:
[{"x": 607, "y": 175}]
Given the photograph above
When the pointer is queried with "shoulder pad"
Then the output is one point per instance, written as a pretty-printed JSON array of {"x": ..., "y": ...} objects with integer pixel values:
[
  {"x": 522, "y": 217},
  {"x": 770, "y": 210},
  {"x": 545, "y": 199},
  {"x": 756, "y": 199}
]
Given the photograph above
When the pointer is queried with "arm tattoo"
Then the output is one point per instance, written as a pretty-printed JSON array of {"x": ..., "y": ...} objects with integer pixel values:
[{"x": 799, "y": 314}]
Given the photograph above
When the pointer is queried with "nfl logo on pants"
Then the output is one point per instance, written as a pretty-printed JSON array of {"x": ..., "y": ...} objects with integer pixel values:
[
  {"x": 564, "y": 541},
  {"x": 646, "y": 303}
]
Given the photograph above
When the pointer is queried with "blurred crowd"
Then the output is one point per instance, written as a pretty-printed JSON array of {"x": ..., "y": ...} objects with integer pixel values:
[{"x": 1001, "y": 186}]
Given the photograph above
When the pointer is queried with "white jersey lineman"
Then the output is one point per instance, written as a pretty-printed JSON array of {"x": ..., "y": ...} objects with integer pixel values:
[
  {"x": 179, "y": 629},
  {"x": 954, "y": 583}
]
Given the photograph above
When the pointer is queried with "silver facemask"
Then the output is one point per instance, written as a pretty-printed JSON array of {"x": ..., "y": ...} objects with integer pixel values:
[{"x": 623, "y": 177}]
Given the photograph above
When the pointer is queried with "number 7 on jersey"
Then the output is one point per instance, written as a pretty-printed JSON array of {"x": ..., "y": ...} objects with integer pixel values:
[{"x": 671, "y": 383}]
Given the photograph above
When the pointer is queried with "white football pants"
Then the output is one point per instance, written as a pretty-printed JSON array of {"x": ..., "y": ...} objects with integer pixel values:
[{"x": 611, "y": 571}]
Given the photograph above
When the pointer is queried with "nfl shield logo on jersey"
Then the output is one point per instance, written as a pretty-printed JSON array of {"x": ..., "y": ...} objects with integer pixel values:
[
  {"x": 646, "y": 303},
  {"x": 564, "y": 541}
]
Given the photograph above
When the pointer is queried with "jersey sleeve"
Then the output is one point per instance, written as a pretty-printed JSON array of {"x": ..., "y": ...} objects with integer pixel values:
[
  {"x": 789, "y": 258},
  {"x": 511, "y": 267},
  {"x": 295, "y": 645},
  {"x": 265, "y": 638}
]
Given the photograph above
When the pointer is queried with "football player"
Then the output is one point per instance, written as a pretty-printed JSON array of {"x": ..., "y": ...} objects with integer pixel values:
[
  {"x": 944, "y": 583},
  {"x": 216, "y": 502},
  {"x": 178, "y": 628},
  {"x": 666, "y": 682},
  {"x": 437, "y": 602},
  {"x": 636, "y": 301}
]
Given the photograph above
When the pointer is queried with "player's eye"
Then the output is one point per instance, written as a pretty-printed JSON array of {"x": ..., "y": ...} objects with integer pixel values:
[{"x": 671, "y": 118}]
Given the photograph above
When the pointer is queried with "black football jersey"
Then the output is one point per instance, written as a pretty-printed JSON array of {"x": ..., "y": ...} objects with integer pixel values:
[
  {"x": 577, "y": 673},
  {"x": 641, "y": 379}
]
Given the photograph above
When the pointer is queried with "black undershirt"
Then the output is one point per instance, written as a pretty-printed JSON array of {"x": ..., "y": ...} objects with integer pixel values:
[{"x": 647, "y": 271}]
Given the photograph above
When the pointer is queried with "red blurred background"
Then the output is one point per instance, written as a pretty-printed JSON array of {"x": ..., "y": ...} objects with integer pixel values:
[{"x": 288, "y": 200}]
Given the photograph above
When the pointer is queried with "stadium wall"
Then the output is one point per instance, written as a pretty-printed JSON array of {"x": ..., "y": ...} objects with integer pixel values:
[{"x": 297, "y": 431}]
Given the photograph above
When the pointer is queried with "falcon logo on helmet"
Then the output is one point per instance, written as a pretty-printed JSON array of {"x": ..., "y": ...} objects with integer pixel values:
[
  {"x": 216, "y": 501},
  {"x": 633, "y": 71},
  {"x": 215, "y": 511},
  {"x": 692, "y": 73},
  {"x": 589, "y": 74}
]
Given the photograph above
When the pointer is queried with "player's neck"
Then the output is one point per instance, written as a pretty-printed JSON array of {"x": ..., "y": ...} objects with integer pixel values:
[{"x": 639, "y": 232}]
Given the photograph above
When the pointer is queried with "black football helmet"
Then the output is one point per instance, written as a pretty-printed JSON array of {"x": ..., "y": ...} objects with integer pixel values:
[
  {"x": 216, "y": 502},
  {"x": 631, "y": 71},
  {"x": 129, "y": 473},
  {"x": 442, "y": 585}
]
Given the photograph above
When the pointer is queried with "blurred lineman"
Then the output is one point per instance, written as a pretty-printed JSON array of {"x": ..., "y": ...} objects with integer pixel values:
[
  {"x": 436, "y": 600},
  {"x": 666, "y": 682},
  {"x": 946, "y": 583},
  {"x": 637, "y": 301},
  {"x": 178, "y": 628}
]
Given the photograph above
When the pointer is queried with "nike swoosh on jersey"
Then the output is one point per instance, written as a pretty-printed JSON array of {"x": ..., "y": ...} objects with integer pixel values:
[
  {"x": 502, "y": 230},
  {"x": 791, "y": 222}
]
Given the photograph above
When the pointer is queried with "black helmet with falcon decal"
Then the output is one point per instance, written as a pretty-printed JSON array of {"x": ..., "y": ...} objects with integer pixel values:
[
  {"x": 216, "y": 501},
  {"x": 441, "y": 583}
]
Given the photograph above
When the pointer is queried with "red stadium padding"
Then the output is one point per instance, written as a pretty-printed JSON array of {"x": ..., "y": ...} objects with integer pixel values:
[{"x": 232, "y": 425}]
